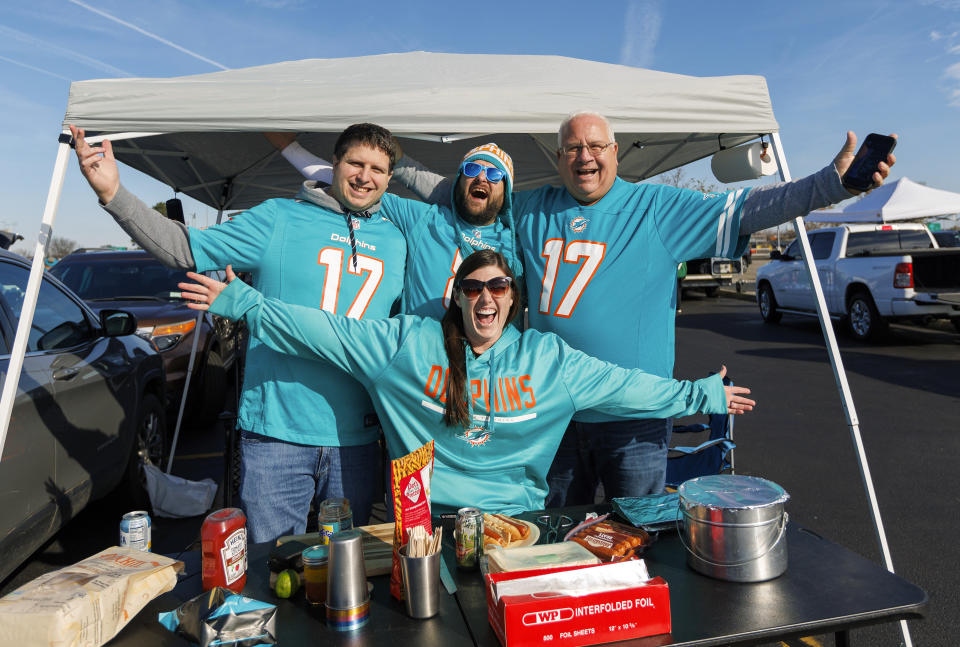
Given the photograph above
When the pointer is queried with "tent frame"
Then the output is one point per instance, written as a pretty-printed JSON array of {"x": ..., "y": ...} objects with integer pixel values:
[{"x": 49, "y": 217}]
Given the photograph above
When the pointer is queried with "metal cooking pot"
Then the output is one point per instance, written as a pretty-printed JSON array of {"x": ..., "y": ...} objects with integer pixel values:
[{"x": 734, "y": 527}]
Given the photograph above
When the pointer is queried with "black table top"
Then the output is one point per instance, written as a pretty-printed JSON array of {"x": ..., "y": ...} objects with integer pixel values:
[
  {"x": 826, "y": 588},
  {"x": 299, "y": 623}
]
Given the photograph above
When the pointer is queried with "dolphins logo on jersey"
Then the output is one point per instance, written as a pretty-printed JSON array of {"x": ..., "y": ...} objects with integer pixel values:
[
  {"x": 578, "y": 224},
  {"x": 475, "y": 436}
]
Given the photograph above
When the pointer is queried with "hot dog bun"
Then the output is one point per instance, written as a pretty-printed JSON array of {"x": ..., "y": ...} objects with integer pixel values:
[
  {"x": 520, "y": 527},
  {"x": 493, "y": 537}
]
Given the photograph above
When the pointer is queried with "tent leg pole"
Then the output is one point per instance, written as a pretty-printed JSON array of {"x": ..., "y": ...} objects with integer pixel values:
[
  {"x": 33, "y": 289},
  {"x": 186, "y": 389},
  {"x": 840, "y": 376}
]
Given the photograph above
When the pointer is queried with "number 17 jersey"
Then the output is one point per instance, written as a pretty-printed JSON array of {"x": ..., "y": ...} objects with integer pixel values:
[{"x": 603, "y": 276}]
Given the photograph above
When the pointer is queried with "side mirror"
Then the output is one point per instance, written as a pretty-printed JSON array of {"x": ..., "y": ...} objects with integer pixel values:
[
  {"x": 116, "y": 323},
  {"x": 775, "y": 255}
]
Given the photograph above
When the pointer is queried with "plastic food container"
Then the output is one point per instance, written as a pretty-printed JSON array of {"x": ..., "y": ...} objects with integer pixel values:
[{"x": 734, "y": 527}]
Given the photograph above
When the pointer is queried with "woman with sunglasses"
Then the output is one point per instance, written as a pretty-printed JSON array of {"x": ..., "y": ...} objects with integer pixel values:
[{"x": 495, "y": 401}]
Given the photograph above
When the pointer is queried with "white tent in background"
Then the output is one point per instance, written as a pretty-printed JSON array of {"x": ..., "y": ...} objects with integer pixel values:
[{"x": 900, "y": 200}]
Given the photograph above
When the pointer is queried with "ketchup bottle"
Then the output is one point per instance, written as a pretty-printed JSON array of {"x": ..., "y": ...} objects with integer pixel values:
[{"x": 223, "y": 541}]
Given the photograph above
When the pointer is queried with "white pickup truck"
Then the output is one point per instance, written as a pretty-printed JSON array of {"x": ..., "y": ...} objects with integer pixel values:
[{"x": 871, "y": 274}]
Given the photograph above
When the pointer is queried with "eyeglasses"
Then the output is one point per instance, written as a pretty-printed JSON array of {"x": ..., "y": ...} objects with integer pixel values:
[
  {"x": 473, "y": 288},
  {"x": 595, "y": 149},
  {"x": 472, "y": 169}
]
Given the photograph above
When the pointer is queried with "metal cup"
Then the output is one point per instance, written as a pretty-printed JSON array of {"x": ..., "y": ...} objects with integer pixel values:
[
  {"x": 421, "y": 584},
  {"x": 346, "y": 576}
]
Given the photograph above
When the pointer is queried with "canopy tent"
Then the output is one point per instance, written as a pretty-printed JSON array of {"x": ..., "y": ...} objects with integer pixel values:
[
  {"x": 900, "y": 200},
  {"x": 207, "y": 142},
  {"x": 200, "y": 135}
]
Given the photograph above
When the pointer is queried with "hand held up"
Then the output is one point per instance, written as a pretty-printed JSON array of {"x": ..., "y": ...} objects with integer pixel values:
[
  {"x": 736, "y": 403},
  {"x": 205, "y": 291},
  {"x": 97, "y": 165}
]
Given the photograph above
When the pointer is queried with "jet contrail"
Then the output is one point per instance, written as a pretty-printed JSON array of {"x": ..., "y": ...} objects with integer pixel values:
[
  {"x": 146, "y": 33},
  {"x": 15, "y": 34},
  {"x": 35, "y": 69}
]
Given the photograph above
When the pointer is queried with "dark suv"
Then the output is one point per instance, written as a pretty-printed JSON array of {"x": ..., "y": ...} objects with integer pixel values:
[
  {"x": 136, "y": 282},
  {"x": 88, "y": 410}
]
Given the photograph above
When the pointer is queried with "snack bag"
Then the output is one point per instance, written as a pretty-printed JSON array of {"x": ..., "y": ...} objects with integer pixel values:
[
  {"x": 219, "y": 617},
  {"x": 88, "y": 603},
  {"x": 410, "y": 484}
]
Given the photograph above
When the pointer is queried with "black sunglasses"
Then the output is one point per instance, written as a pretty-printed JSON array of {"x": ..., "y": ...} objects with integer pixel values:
[{"x": 473, "y": 288}]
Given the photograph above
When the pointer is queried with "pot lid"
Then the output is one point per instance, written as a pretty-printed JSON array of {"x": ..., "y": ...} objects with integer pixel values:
[{"x": 731, "y": 491}]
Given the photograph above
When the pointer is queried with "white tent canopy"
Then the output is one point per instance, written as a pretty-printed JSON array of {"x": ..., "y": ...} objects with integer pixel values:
[
  {"x": 206, "y": 140},
  {"x": 900, "y": 200}
]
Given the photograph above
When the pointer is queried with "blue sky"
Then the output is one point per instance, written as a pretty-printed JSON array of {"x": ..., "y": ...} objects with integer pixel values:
[{"x": 870, "y": 66}]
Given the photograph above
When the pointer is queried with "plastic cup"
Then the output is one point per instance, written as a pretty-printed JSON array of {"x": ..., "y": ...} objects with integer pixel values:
[{"x": 421, "y": 584}]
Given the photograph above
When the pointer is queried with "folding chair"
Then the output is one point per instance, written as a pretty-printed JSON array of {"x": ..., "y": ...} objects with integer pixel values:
[{"x": 713, "y": 456}]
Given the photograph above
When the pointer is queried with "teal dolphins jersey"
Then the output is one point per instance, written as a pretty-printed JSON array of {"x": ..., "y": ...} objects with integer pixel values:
[
  {"x": 301, "y": 253},
  {"x": 604, "y": 276},
  {"x": 522, "y": 393},
  {"x": 436, "y": 239}
]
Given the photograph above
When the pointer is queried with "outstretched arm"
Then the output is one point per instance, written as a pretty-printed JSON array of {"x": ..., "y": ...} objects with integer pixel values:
[
  {"x": 362, "y": 348},
  {"x": 775, "y": 204},
  {"x": 167, "y": 240},
  {"x": 309, "y": 165}
]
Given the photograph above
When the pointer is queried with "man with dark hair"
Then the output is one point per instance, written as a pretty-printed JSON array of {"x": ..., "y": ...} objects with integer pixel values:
[{"x": 307, "y": 429}]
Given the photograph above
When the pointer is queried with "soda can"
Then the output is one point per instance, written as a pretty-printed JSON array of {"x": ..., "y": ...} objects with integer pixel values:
[
  {"x": 135, "y": 530},
  {"x": 468, "y": 535}
]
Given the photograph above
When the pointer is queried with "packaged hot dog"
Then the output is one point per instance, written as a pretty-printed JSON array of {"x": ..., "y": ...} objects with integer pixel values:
[
  {"x": 410, "y": 485},
  {"x": 612, "y": 541}
]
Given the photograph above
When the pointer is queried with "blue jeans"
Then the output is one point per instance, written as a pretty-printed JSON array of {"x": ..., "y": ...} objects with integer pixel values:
[
  {"x": 628, "y": 456},
  {"x": 280, "y": 479}
]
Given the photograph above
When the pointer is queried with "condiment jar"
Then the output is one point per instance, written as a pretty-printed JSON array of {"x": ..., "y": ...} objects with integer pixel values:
[{"x": 315, "y": 573}]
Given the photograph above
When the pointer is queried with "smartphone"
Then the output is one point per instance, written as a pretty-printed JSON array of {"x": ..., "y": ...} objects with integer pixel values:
[{"x": 874, "y": 150}]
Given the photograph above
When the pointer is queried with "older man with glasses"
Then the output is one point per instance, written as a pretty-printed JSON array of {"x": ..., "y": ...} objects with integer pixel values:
[{"x": 601, "y": 257}]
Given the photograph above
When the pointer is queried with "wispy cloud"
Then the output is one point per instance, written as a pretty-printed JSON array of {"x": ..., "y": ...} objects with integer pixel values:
[
  {"x": 276, "y": 4},
  {"x": 146, "y": 33},
  {"x": 943, "y": 4},
  {"x": 8, "y": 33},
  {"x": 641, "y": 29},
  {"x": 34, "y": 68}
]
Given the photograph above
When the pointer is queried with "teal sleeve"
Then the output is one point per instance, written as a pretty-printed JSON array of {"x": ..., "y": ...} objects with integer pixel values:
[
  {"x": 241, "y": 241},
  {"x": 362, "y": 348},
  {"x": 693, "y": 225},
  {"x": 403, "y": 212},
  {"x": 632, "y": 393}
]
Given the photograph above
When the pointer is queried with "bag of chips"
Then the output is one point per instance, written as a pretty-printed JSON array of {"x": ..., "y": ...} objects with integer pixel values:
[
  {"x": 410, "y": 486},
  {"x": 219, "y": 617}
]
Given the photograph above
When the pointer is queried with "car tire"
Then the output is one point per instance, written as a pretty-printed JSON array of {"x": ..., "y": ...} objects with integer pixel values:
[
  {"x": 863, "y": 319},
  {"x": 768, "y": 305},
  {"x": 711, "y": 292},
  {"x": 150, "y": 444},
  {"x": 209, "y": 397}
]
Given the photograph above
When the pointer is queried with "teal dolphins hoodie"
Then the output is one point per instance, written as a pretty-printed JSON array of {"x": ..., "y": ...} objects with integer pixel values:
[{"x": 522, "y": 393}]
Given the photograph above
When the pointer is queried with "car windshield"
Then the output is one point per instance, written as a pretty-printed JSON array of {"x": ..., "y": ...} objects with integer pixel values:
[{"x": 105, "y": 278}]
